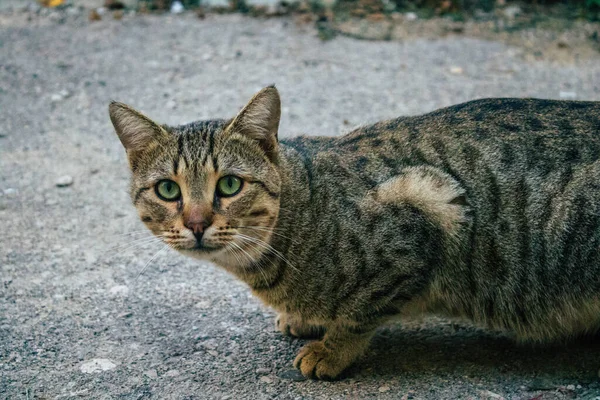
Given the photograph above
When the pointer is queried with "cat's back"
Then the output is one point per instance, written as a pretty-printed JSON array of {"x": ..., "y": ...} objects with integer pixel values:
[{"x": 492, "y": 120}]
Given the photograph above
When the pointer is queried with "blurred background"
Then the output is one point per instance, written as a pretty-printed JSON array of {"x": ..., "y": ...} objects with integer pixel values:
[{"x": 77, "y": 323}]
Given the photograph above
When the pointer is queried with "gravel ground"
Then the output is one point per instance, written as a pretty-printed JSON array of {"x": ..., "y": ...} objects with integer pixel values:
[{"x": 74, "y": 321}]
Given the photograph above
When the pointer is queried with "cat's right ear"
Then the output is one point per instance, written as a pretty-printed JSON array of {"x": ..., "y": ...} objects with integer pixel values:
[{"x": 137, "y": 132}]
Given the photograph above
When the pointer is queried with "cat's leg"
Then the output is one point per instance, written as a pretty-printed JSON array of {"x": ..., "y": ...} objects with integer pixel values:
[
  {"x": 341, "y": 346},
  {"x": 290, "y": 325}
]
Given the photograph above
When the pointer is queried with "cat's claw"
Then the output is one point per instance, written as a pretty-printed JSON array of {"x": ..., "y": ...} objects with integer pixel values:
[{"x": 315, "y": 361}]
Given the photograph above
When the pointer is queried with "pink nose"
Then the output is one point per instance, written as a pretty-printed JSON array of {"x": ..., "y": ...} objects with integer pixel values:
[{"x": 196, "y": 226}]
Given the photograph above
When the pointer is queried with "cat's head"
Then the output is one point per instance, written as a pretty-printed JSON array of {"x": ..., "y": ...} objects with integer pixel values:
[{"x": 209, "y": 189}]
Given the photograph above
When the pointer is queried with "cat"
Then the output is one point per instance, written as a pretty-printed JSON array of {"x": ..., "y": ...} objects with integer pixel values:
[{"x": 487, "y": 210}]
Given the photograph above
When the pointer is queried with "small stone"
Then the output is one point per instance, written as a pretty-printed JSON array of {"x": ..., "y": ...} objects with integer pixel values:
[
  {"x": 10, "y": 192},
  {"x": 172, "y": 373},
  {"x": 171, "y": 104},
  {"x": 567, "y": 95},
  {"x": 176, "y": 7},
  {"x": 63, "y": 94},
  {"x": 203, "y": 304},
  {"x": 266, "y": 379},
  {"x": 411, "y": 16},
  {"x": 206, "y": 57},
  {"x": 73, "y": 10},
  {"x": 511, "y": 12},
  {"x": 213, "y": 353},
  {"x": 151, "y": 373},
  {"x": 383, "y": 389},
  {"x": 486, "y": 394},
  {"x": 94, "y": 15},
  {"x": 96, "y": 365},
  {"x": 456, "y": 70},
  {"x": 226, "y": 397},
  {"x": 571, "y": 388},
  {"x": 64, "y": 181},
  {"x": 293, "y": 375},
  {"x": 119, "y": 290},
  {"x": 262, "y": 371}
]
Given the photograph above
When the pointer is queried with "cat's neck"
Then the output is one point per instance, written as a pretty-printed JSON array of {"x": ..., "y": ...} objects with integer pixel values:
[{"x": 277, "y": 264}]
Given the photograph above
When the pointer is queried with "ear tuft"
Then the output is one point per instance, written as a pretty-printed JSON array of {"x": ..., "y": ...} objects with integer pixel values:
[
  {"x": 135, "y": 130},
  {"x": 259, "y": 120}
]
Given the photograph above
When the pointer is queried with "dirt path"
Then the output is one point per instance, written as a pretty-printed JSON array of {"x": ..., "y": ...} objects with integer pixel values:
[{"x": 70, "y": 303}]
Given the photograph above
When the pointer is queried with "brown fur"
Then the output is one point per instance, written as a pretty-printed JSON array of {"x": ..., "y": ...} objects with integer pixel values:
[{"x": 488, "y": 210}]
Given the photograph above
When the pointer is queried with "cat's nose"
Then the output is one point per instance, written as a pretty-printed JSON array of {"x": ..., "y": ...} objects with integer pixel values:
[
  {"x": 197, "y": 227},
  {"x": 197, "y": 218}
]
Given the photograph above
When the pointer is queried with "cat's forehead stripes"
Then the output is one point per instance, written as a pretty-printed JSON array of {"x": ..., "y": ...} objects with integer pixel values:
[
  {"x": 195, "y": 144},
  {"x": 195, "y": 161}
]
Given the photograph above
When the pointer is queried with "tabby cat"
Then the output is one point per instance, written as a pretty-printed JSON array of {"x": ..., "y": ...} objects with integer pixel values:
[{"x": 488, "y": 210}]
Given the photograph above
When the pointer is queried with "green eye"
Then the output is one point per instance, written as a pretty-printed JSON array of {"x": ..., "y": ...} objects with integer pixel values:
[
  {"x": 229, "y": 186},
  {"x": 168, "y": 190}
]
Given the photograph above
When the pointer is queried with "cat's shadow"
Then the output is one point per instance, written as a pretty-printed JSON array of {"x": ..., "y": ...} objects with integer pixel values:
[{"x": 462, "y": 351}]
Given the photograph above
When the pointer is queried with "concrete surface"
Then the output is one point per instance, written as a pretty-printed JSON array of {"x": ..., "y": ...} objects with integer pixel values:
[{"x": 74, "y": 321}]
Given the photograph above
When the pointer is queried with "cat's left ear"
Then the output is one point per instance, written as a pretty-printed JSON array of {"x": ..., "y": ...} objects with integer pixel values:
[
  {"x": 137, "y": 133},
  {"x": 259, "y": 120}
]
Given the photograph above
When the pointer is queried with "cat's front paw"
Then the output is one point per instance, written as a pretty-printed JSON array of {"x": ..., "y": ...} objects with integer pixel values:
[
  {"x": 291, "y": 326},
  {"x": 315, "y": 361}
]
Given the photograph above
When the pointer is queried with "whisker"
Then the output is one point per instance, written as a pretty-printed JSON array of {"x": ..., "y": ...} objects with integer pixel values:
[
  {"x": 270, "y": 230},
  {"x": 132, "y": 233},
  {"x": 252, "y": 260},
  {"x": 134, "y": 242},
  {"x": 268, "y": 247},
  {"x": 150, "y": 260}
]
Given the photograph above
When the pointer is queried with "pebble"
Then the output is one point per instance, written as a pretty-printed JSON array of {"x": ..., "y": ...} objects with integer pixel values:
[
  {"x": 63, "y": 94},
  {"x": 203, "y": 304},
  {"x": 176, "y": 7},
  {"x": 10, "y": 192},
  {"x": 171, "y": 104},
  {"x": 511, "y": 12},
  {"x": 262, "y": 371},
  {"x": 96, "y": 365},
  {"x": 567, "y": 95},
  {"x": 411, "y": 16},
  {"x": 64, "y": 181},
  {"x": 383, "y": 389},
  {"x": 486, "y": 394},
  {"x": 119, "y": 290},
  {"x": 172, "y": 373},
  {"x": 456, "y": 70},
  {"x": 293, "y": 375},
  {"x": 571, "y": 388},
  {"x": 151, "y": 373},
  {"x": 266, "y": 379}
]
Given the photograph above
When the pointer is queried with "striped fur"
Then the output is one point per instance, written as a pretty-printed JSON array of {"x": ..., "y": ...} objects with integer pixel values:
[{"x": 488, "y": 210}]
